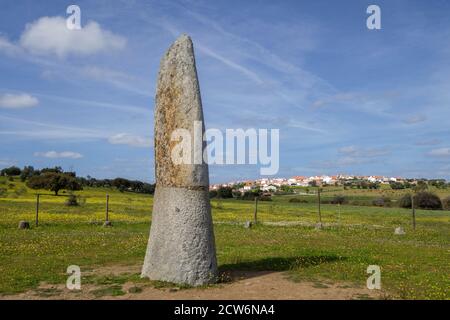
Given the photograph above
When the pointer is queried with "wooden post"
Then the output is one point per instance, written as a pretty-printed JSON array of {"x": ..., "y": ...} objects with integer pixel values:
[
  {"x": 255, "y": 216},
  {"x": 339, "y": 214},
  {"x": 413, "y": 212},
  {"x": 320, "y": 213},
  {"x": 107, "y": 207},
  {"x": 37, "y": 210}
]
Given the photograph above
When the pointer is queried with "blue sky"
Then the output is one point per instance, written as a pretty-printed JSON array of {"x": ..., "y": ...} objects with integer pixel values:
[{"x": 346, "y": 99}]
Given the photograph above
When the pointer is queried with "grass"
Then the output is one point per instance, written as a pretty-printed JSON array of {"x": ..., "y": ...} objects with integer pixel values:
[
  {"x": 114, "y": 290},
  {"x": 413, "y": 266}
]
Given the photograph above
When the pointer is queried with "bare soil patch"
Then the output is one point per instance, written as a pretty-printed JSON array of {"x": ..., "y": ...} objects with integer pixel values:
[{"x": 252, "y": 285}]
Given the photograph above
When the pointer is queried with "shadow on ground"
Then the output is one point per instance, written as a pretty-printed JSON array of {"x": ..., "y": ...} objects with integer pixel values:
[{"x": 280, "y": 263}]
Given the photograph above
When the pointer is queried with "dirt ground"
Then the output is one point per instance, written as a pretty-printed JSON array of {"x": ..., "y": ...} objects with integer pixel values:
[{"x": 264, "y": 285}]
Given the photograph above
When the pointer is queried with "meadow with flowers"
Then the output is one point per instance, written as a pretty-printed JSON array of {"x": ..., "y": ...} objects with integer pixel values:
[{"x": 415, "y": 265}]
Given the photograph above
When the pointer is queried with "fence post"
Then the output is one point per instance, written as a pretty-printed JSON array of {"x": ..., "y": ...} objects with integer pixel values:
[
  {"x": 339, "y": 214},
  {"x": 318, "y": 198},
  {"x": 413, "y": 212},
  {"x": 37, "y": 210},
  {"x": 255, "y": 216},
  {"x": 107, "y": 207}
]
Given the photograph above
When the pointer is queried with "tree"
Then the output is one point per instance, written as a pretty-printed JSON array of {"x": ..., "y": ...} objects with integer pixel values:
[
  {"x": 27, "y": 172},
  {"x": 121, "y": 184},
  {"x": 225, "y": 192},
  {"x": 149, "y": 188},
  {"x": 55, "y": 170},
  {"x": 54, "y": 182},
  {"x": 286, "y": 189},
  {"x": 239, "y": 185},
  {"x": 438, "y": 183},
  {"x": 396, "y": 185},
  {"x": 212, "y": 193},
  {"x": 11, "y": 171},
  {"x": 421, "y": 186}
]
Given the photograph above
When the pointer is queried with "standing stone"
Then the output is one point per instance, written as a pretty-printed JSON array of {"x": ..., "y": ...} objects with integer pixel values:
[{"x": 181, "y": 246}]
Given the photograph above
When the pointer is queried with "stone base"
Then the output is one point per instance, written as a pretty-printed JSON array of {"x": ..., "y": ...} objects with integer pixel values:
[
  {"x": 181, "y": 246},
  {"x": 24, "y": 225}
]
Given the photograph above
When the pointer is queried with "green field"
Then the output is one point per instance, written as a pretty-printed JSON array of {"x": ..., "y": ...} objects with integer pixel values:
[{"x": 414, "y": 266}]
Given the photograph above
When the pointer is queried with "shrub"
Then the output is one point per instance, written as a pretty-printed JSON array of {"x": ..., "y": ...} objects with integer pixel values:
[
  {"x": 339, "y": 199},
  {"x": 405, "y": 201},
  {"x": 248, "y": 195},
  {"x": 396, "y": 185},
  {"x": 422, "y": 200},
  {"x": 212, "y": 194},
  {"x": 72, "y": 201},
  {"x": 381, "y": 202},
  {"x": 3, "y": 192},
  {"x": 446, "y": 203},
  {"x": 236, "y": 194},
  {"x": 427, "y": 200},
  {"x": 265, "y": 197}
]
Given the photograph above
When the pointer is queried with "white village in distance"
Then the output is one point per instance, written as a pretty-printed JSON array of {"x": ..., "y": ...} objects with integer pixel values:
[{"x": 355, "y": 181}]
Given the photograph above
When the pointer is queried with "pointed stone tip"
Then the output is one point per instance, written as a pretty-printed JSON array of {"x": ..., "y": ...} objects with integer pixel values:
[
  {"x": 183, "y": 38},
  {"x": 182, "y": 44}
]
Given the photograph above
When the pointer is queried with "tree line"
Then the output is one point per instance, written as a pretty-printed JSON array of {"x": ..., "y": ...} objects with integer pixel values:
[{"x": 56, "y": 179}]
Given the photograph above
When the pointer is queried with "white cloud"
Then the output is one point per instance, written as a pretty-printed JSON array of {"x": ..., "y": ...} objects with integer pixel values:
[
  {"x": 430, "y": 142},
  {"x": 441, "y": 152},
  {"x": 131, "y": 140},
  {"x": 17, "y": 101},
  {"x": 415, "y": 119},
  {"x": 104, "y": 105},
  {"x": 50, "y": 35},
  {"x": 8, "y": 47},
  {"x": 116, "y": 78},
  {"x": 363, "y": 152},
  {"x": 95, "y": 72},
  {"x": 344, "y": 97},
  {"x": 56, "y": 155},
  {"x": 347, "y": 150},
  {"x": 38, "y": 130},
  {"x": 240, "y": 68}
]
